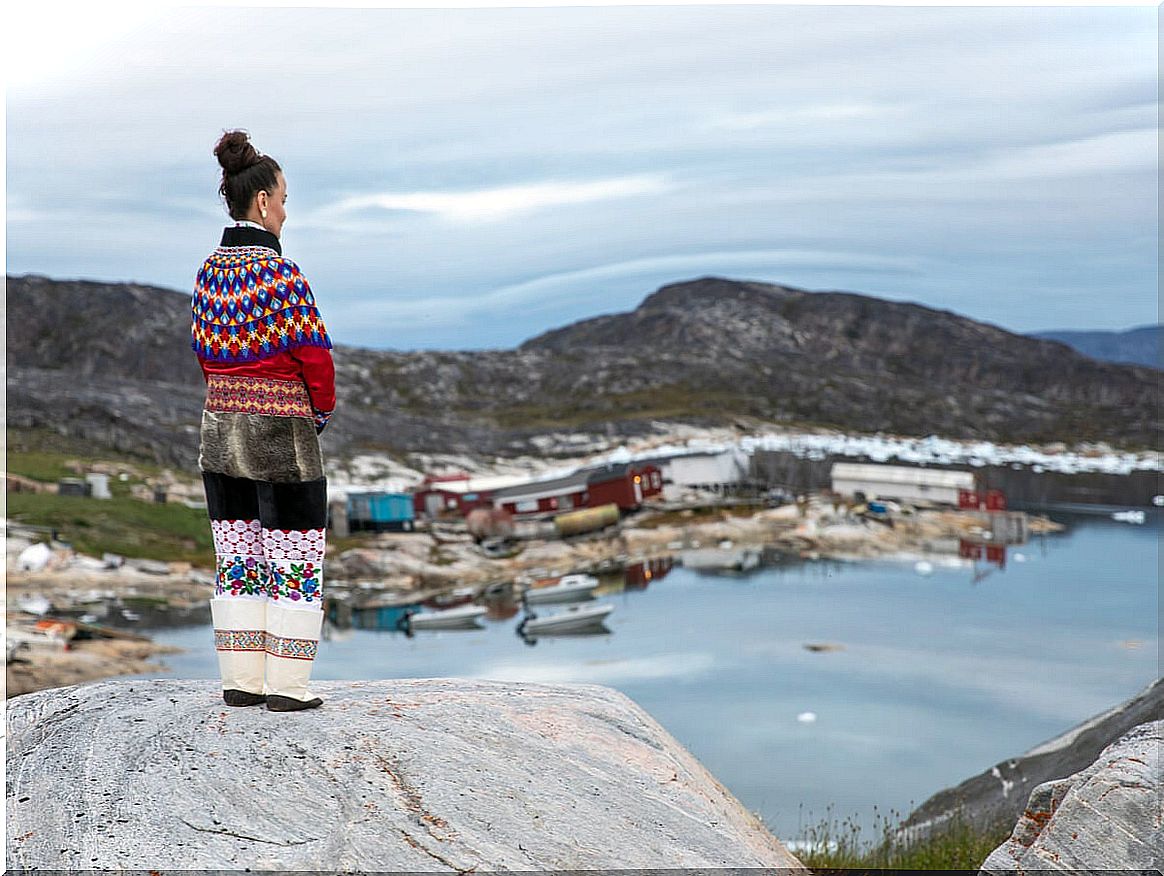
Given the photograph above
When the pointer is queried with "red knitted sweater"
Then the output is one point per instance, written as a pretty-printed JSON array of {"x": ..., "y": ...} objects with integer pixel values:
[{"x": 254, "y": 315}]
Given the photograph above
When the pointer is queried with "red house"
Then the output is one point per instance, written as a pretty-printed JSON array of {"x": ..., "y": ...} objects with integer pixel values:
[
  {"x": 626, "y": 484},
  {"x": 456, "y": 494}
]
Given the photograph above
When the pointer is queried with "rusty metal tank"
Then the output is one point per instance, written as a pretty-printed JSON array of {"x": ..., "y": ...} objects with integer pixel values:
[{"x": 586, "y": 519}]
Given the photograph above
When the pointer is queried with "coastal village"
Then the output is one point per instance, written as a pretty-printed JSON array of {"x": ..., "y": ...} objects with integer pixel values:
[{"x": 445, "y": 549}]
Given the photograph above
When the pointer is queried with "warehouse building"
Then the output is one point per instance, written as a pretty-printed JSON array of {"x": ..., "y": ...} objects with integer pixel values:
[{"x": 900, "y": 482}]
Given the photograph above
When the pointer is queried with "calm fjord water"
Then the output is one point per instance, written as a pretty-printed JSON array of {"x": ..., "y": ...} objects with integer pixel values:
[{"x": 939, "y": 677}]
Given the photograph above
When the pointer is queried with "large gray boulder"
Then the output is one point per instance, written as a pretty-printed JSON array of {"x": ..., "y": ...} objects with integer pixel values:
[
  {"x": 435, "y": 774},
  {"x": 1106, "y": 817},
  {"x": 998, "y": 796}
]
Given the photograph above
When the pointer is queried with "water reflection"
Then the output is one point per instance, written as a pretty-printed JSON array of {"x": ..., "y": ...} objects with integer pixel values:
[
  {"x": 639, "y": 576},
  {"x": 502, "y": 602}
]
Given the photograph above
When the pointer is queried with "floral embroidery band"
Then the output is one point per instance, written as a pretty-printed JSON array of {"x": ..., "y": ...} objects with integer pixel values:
[
  {"x": 296, "y": 649},
  {"x": 240, "y": 640},
  {"x": 241, "y": 576},
  {"x": 237, "y": 393},
  {"x": 296, "y": 581}
]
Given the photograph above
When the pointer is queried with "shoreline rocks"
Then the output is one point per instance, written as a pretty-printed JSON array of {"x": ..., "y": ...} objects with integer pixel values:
[
  {"x": 83, "y": 662},
  {"x": 1104, "y": 817}
]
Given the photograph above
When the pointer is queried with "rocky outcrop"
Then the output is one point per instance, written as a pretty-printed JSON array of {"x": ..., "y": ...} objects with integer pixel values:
[
  {"x": 436, "y": 774},
  {"x": 1106, "y": 817},
  {"x": 999, "y": 795}
]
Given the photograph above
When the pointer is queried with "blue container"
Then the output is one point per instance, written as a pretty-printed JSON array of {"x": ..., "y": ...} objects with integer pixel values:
[{"x": 380, "y": 512}]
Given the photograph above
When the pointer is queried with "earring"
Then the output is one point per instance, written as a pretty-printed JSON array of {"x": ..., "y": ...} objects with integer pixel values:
[{"x": 264, "y": 214}]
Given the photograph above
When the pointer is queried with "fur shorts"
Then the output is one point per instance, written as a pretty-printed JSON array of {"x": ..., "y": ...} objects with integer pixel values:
[{"x": 260, "y": 429}]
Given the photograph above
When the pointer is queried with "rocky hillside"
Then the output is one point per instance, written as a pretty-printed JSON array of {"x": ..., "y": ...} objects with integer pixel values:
[
  {"x": 111, "y": 364},
  {"x": 853, "y": 361},
  {"x": 1138, "y": 346}
]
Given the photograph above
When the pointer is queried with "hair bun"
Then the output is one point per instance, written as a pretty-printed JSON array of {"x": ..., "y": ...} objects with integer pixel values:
[{"x": 235, "y": 152}]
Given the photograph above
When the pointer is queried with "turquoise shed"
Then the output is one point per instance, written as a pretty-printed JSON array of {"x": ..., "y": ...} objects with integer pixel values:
[{"x": 381, "y": 512}]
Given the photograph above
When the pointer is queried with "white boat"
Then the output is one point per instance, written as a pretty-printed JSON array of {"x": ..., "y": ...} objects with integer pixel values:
[
  {"x": 569, "y": 587},
  {"x": 720, "y": 559},
  {"x": 446, "y": 618},
  {"x": 36, "y": 604},
  {"x": 1129, "y": 516},
  {"x": 569, "y": 620},
  {"x": 27, "y": 638}
]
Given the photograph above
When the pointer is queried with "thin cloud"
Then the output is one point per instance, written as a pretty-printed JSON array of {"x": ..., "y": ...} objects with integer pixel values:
[
  {"x": 700, "y": 263},
  {"x": 791, "y": 117},
  {"x": 1115, "y": 152},
  {"x": 501, "y": 202},
  {"x": 541, "y": 292}
]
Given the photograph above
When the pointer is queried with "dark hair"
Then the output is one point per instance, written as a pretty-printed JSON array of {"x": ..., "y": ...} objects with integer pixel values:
[{"x": 244, "y": 172}]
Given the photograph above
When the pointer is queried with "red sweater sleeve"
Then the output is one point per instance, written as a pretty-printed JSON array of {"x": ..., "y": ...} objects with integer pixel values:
[{"x": 318, "y": 371}]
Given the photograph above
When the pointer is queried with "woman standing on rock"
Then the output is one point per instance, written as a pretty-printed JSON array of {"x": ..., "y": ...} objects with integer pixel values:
[{"x": 270, "y": 390}]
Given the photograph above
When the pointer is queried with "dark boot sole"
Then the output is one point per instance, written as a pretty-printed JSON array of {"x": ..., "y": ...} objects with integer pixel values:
[
  {"x": 234, "y": 697},
  {"x": 276, "y": 703}
]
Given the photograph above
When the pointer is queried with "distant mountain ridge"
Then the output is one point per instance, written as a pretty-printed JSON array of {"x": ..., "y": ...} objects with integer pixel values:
[
  {"x": 1136, "y": 346},
  {"x": 111, "y": 364}
]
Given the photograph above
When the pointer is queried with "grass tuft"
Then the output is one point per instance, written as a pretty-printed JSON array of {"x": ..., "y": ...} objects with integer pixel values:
[{"x": 959, "y": 844}]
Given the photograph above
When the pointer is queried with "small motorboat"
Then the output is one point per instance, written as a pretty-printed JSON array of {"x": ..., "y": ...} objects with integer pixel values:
[
  {"x": 569, "y": 620},
  {"x": 719, "y": 559},
  {"x": 458, "y": 617},
  {"x": 1135, "y": 516},
  {"x": 33, "y": 639},
  {"x": 34, "y": 605},
  {"x": 500, "y": 548},
  {"x": 569, "y": 587}
]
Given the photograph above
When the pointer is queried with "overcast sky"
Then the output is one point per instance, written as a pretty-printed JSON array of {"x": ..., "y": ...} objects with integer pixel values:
[{"x": 468, "y": 178}]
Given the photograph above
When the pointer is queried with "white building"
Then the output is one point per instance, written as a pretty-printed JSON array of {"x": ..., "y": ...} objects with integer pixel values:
[
  {"x": 714, "y": 471},
  {"x": 900, "y": 482}
]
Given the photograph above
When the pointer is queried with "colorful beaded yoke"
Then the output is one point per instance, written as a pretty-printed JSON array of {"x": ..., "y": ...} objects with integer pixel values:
[
  {"x": 244, "y": 394},
  {"x": 250, "y": 303}
]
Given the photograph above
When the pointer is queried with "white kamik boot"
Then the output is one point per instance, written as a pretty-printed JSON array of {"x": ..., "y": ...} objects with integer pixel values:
[{"x": 294, "y": 615}]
